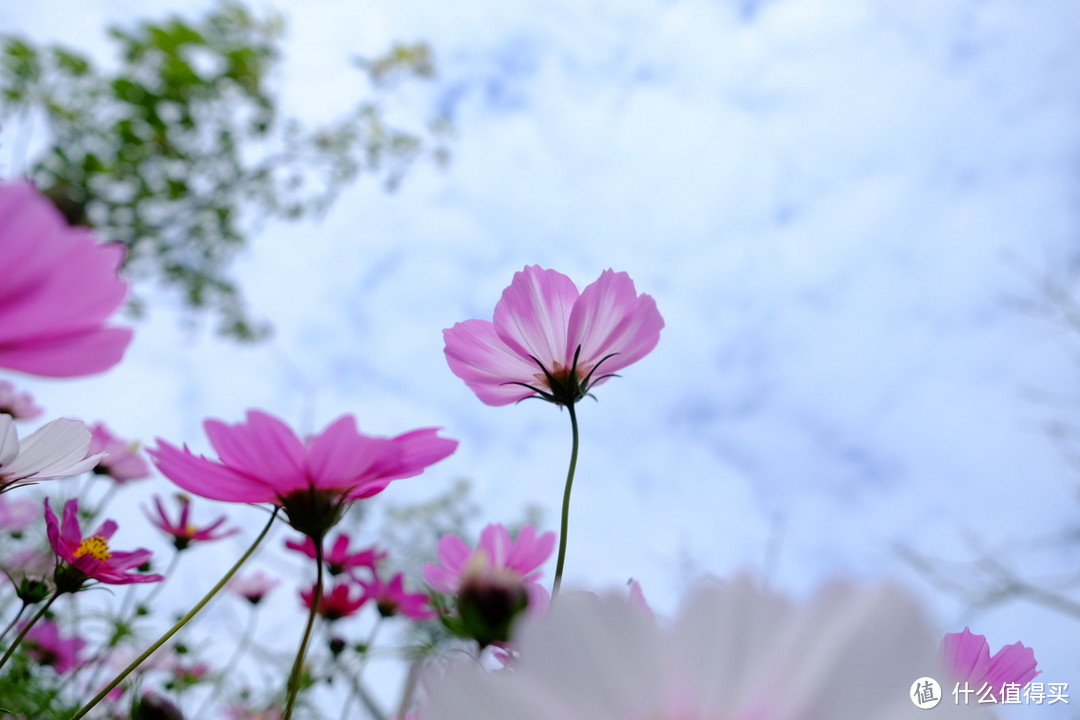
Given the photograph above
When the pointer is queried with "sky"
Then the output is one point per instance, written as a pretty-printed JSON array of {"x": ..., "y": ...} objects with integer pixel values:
[{"x": 846, "y": 212}]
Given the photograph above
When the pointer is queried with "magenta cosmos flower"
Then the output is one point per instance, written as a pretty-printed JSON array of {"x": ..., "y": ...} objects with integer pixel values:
[
  {"x": 46, "y": 646},
  {"x": 263, "y": 461},
  {"x": 60, "y": 287},
  {"x": 340, "y": 559},
  {"x": 183, "y": 531},
  {"x": 966, "y": 658},
  {"x": 90, "y": 558},
  {"x": 344, "y": 600},
  {"x": 496, "y": 554},
  {"x": 547, "y": 340},
  {"x": 391, "y": 598}
]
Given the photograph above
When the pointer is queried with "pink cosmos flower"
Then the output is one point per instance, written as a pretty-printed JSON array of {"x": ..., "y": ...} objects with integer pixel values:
[
  {"x": 183, "y": 531},
  {"x": 91, "y": 557},
  {"x": 186, "y": 673},
  {"x": 19, "y": 405},
  {"x": 966, "y": 658},
  {"x": 253, "y": 587},
  {"x": 494, "y": 584},
  {"x": 57, "y": 449},
  {"x": 339, "y": 559},
  {"x": 391, "y": 599},
  {"x": 122, "y": 461},
  {"x": 44, "y": 644},
  {"x": 343, "y": 600},
  {"x": 495, "y": 555},
  {"x": 17, "y": 515},
  {"x": 734, "y": 652},
  {"x": 547, "y": 340},
  {"x": 60, "y": 289},
  {"x": 29, "y": 562},
  {"x": 263, "y": 461}
]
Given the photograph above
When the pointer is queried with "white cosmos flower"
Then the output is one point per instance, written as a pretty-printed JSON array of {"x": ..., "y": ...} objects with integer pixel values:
[
  {"x": 55, "y": 450},
  {"x": 735, "y": 652}
]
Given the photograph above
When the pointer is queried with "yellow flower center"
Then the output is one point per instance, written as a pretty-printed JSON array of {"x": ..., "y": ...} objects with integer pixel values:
[{"x": 96, "y": 547}]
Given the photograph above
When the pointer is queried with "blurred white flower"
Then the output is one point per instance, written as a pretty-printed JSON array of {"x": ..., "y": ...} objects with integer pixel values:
[
  {"x": 55, "y": 450},
  {"x": 735, "y": 652}
]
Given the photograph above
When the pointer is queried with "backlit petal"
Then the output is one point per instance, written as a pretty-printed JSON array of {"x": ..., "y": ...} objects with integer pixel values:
[
  {"x": 533, "y": 314},
  {"x": 611, "y": 319},
  {"x": 487, "y": 364}
]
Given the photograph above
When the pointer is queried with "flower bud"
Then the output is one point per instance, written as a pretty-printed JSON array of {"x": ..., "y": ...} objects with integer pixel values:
[
  {"x": 32, "y": 591},
  {"x": 336, "y": 646}
]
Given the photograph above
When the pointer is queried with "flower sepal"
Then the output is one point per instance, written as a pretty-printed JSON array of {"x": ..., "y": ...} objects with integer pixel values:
[
  {"x": 31, "y": 591},
  {"x": 566, "y": 385},
  {"x": 488, "y": 609},
  {"x": 313, "y": 511}
]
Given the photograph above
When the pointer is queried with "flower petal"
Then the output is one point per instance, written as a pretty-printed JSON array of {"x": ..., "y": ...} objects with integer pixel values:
[
  {"x": 618, "y": 664},
  {"x": 1012, "y": 664},
  {"x": 264, "y": 447},
  {"x": 72, "y": 355},
  {"x": 52, "y": 312},
  {"x": 208, "y": 479},
  {"x": 339, "y": 457},
  {"x": 869, "y": 637},
  {"x": 414, "y": 451},
  {"x": 69, "y": 529},
  {"x": 9, "y": 442},
  {"x": 495, "y": 541},
  {"x": 533, "y": 314},
  {"x": 611, "y": 319},
  {"x": 965, "y": 655},
  {"x": 529, "y": 551},
  {"x": 56, "y": 449},
  {"x": 487, "y": 364}
]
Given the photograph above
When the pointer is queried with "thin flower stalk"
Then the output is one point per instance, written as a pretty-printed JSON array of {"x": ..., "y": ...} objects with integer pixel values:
[
  {"x": 564, "y": 525},
  {"x": 298, "y": 663},
  {"x": 26, "y": 628}
]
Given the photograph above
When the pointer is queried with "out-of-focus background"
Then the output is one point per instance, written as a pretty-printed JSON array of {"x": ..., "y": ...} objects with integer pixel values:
[{"x": 859, "y": 220}]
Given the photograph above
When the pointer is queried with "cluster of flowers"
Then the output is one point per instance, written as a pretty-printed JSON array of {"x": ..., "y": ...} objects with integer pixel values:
[{"x": 569, "y": 655}]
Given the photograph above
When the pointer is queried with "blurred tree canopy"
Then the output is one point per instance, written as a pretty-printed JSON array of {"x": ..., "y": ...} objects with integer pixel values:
[{"x": 183, "y": 149}]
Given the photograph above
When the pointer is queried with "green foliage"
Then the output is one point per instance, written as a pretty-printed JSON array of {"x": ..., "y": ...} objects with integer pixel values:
[
  {"x": 181, "y": 150},
  {"x": 31, "y": 691}
]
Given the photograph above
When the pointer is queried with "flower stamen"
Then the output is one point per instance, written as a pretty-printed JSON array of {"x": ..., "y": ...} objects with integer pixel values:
[{"x": 95, "y": 546}]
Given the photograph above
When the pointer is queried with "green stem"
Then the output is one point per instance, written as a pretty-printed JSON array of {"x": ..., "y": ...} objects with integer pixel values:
[
  {"x": 179, "y": 623},
  {"x": 566, "y": 504},
  {"x": 26, "y": 628},
  {"x": 298, "y": 664},
  {"x": 22, "y": 609}
]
